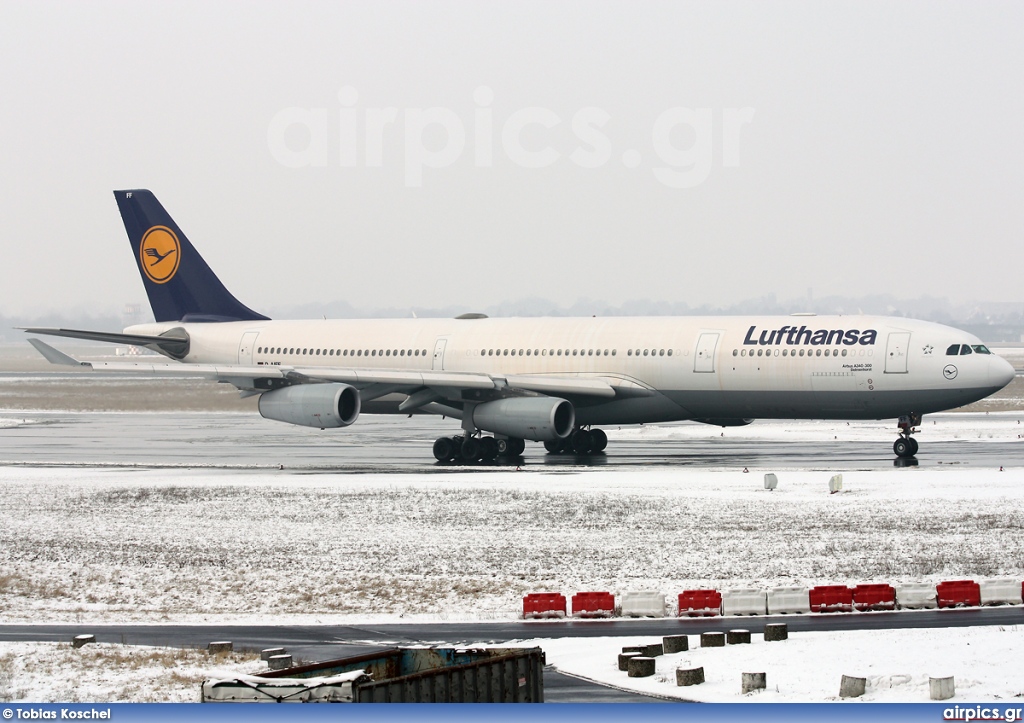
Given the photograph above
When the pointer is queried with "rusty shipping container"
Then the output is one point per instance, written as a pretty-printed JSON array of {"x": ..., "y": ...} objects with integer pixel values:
[{"x": 401, "y": 675}]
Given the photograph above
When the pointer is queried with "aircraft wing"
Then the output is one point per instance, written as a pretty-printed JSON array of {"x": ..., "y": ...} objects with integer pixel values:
[{"x": 248, "y": 378}]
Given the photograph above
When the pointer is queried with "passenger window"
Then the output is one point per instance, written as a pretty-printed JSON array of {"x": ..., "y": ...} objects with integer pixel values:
[
  {"x": 964, "y": 350},
  {"x": 670, "y": 352},
  {"x": 613, "y": 352},
  {"x": 645, "y": 352}
]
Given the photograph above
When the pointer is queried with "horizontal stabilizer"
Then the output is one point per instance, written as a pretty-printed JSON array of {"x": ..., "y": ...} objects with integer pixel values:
[{"x": 174, "y": 345}]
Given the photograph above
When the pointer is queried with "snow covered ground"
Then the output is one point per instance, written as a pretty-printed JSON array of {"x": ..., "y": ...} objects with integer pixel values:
[
  {"x": 108, "y": 673},
  {"x": 810, "y": 665},
  {"x": 148, "y": 545}
]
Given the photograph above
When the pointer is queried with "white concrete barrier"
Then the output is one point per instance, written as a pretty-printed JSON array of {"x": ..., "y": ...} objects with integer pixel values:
[
  {"x": 643, "y": 604},
  {"x": 1003, "y": 591},
  {"x": 744, "y": 601},
  {"x": 917, "y": 596},
  {"x": 789, "y": 600}
]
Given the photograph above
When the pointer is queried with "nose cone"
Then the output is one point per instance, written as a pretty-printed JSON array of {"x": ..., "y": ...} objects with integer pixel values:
[{"x": 1001, "y": 372}]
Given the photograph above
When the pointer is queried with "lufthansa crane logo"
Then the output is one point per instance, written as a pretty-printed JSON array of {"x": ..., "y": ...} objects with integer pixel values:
[
  {"x": 949, "y": 371},
  {"x": 160, "y": 254}
]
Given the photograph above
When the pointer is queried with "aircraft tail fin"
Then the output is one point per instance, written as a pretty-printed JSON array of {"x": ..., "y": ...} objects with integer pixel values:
[{"x": 180, "y": 285}]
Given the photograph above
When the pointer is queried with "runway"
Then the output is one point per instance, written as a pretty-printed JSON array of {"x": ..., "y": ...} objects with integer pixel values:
[{"x": 240, "y": 440}]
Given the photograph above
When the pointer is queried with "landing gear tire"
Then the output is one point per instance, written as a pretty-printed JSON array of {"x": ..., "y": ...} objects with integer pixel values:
[
  {"x": 904, "y": 447},
  {"x": 913, "y": 446},
  {"x": 470, "y": 449},
  {"x": 600, "y": 439},
  {"x": 554, "y": 446},
  {"x": 444, "y": 449},
  {"x": 581, "y": 442},
  {"x": 516, "y": 447},
  {"x": 488, "y": 449}
]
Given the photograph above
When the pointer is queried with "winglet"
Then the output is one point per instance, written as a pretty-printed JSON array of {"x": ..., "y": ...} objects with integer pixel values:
[{"x": 56, "y": 357}]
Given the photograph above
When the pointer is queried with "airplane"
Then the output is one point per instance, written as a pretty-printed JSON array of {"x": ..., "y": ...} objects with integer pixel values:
[{"x": 550, "y": 380}]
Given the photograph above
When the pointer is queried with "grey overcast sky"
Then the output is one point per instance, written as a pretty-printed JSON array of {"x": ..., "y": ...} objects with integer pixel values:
[{"x": 703, "y": 152}]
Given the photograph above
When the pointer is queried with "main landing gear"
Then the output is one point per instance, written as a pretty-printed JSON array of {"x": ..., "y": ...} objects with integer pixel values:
[
  {"x": 906, "y": 446},
  {"x": 468, "y": 448},
  {"x": 581, "y": 441}
]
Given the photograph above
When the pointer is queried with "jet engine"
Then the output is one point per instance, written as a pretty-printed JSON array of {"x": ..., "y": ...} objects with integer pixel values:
[
  {"x": 538, "y": 418},
  {"x": 312, "y": 405}
]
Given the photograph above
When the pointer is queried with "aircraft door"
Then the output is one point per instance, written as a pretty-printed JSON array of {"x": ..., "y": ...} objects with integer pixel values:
[
  {"x": 896, "y": 352},
  {"x": 437, "y": 363},
  {"x": 246, "y": 347},
  {"x": 704, "y": 356}
]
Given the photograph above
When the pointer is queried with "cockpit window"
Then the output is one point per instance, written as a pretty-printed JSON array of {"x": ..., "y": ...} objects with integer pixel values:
[
  {"x": 965, "y": 349},
  {"x": 980, "y": 349},
  {"x": 953, "y": 350}
]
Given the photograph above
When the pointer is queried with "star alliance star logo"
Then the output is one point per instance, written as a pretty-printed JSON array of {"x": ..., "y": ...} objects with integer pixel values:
[{"x": 928, "y": 349}]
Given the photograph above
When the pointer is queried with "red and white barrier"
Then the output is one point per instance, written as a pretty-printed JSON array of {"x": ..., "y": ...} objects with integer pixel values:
[
  {"x": 544, "y": 605},
  {"x": 643, "y": 604},
  {"x": 958, "y": 594},
  {"x": 744, "y": 601},
  {"x": 593, "y": 605},
  {"x": 1005, "y": 591},
  {"x": 788, "y": 601},
  {"x": 831, "y": 599},
  {"x": 700, "y": 603},
  {"x": 782, "y": 600},
  {"x": 874, "y": 597},
  {"x": 916, "y": 596}
]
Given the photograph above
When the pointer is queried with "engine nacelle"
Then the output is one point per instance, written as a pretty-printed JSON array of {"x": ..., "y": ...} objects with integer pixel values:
[
  {"x": 312, "y": 405},
  {"x": 538, "y": 418}
]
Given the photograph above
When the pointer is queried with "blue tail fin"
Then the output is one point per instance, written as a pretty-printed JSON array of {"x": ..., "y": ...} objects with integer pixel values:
[{"x": 180, "y": 285}]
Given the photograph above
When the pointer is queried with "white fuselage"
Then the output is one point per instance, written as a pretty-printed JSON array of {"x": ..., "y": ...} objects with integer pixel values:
[{"x": 713, "y": 368}]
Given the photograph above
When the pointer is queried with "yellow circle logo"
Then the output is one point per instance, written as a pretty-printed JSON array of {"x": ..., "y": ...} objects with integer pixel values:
[{"x": 160, "y": 254}]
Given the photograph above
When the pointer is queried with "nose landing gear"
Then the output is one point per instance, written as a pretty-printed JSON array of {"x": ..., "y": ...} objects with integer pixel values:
[{"x": 906, "y": 445}]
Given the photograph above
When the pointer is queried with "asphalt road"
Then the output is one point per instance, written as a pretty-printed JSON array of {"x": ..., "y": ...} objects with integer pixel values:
[{"x": 232, "y": 440}]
